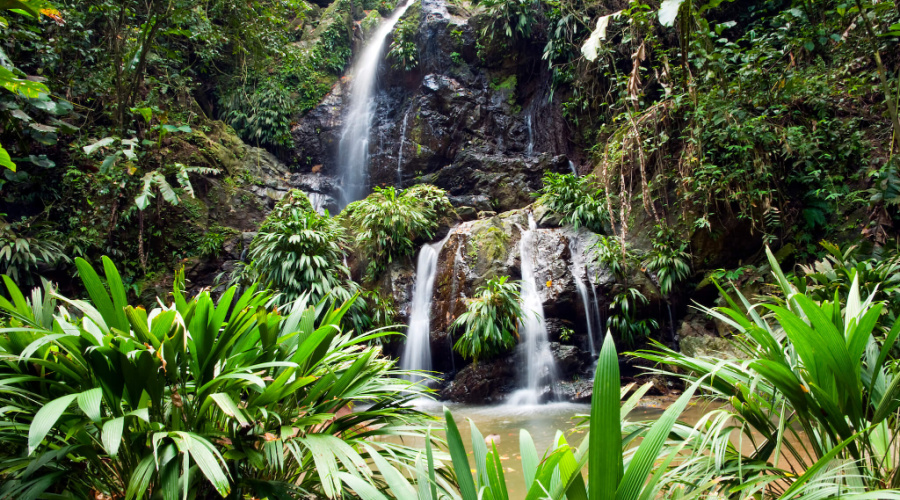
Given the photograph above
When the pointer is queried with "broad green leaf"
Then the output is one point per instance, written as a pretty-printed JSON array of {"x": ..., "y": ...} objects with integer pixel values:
[
  {"x": 5, "y": 159},
  {"x": 89, "y": 402},
  {"x": 605, "y": 467},
  {"x": 106, "y": 141},
  {"x": 111, "y": 436},
  {"x": 458, "y": 456},
  {"x": 45, "y": 419},
  {"x": 529, "y": 455}
]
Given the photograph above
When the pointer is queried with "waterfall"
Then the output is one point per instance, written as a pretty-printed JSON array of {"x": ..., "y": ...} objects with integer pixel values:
[
  {"x": 456, "y": 295},
  {"x": 535, "y": 346},
  {"x": 573, "y": 169},
  {"x": 580, "y": 273},
  {"x": 317, "y": 200},
  {"x": 400, "y": 148},
  {"x": 599, "y": 318},
  {"x": 530, "y": 149},
  {"x": 583, "y": 293},
  {"x": 353, "y": 151},
  {"x": 417, "y": 350}
]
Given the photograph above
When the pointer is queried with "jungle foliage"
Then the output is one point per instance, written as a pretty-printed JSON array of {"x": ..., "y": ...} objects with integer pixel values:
[
  {"x": 110, "y": 104},
  {"x": 779, "y": 115},
  {"x": 825, "y": 366},
  {"x": 578, "y": 200},
  {"x": 227, "y": 398},
  {"x": 298, "y": 251}
]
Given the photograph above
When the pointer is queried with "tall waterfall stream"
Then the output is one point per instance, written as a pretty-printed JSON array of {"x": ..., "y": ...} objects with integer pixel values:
[{"x": 353, "y": 151}]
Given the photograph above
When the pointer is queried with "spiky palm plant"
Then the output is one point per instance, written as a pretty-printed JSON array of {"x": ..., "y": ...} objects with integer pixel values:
[
  {"x": 192, "y": 399},
  {"x": 628, "y": 460},
  {"x": 579, "y": 200},
  {"x": 816, "y": 390}
]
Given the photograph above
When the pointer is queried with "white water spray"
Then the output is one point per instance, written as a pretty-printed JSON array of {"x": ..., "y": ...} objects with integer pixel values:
[
  {"x": 535, "y": 347},
  {"x": 588, "y": 316},
  {"x": 353, "y": 153},
  {"x": 317, "y": 200}
]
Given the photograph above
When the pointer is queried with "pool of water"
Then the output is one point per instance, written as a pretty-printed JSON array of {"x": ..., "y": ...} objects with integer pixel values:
[{"x": 502, "y": 423}]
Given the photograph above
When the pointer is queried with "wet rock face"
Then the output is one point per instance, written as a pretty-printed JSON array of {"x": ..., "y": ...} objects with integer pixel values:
[
  {"x": 317, "y": 134},
  {"x": 485, "y": 382},
  {"x": 476, "y": 131},
  {"x": 478, "y": 250}
]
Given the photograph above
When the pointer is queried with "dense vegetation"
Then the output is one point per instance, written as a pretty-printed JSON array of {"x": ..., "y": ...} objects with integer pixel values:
[
  {"x": 230, "y": 397},
  {"x": 142, "y": 130}
]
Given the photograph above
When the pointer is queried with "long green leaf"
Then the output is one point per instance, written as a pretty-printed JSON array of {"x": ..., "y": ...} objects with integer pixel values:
[
  {"x": 45, "y": 419},
  {"x": 648, "y": 452},
  {"x": 458, "y": 456},
  {"x": 605, "y": 467}
]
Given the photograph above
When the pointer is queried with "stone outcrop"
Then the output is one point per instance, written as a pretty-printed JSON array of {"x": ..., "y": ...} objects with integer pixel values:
[{"x": 480, "y": 249}]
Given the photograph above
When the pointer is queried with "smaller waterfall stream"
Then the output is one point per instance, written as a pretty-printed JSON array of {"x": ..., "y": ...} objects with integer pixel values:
[
  {"x": 583, "y": 293},
  {"x": 530, "y": 148},
  {"x": 353, "y": 151},
  {"x": 417, "y": 350},
  {"x": 580, "y": 274},
  {"x": 400, "y": 148},
  {"x": 599, "y": 317},
  {"x": 535, "y": 346}
]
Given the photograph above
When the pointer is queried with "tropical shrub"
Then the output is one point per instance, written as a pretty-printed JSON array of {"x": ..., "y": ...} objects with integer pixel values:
[
  {"x": 210, "y": 244},
  {"x": 611, "y": 253},
  {"x": 624, "y": 319},
  {"x": 297, "y": 251},
  {"x": 102, "y": 399},
  {"x": 388, "y": 223},
  {"x": 877, "y": 273},
  {"x": 669, "y": 261},
  {"x": 403, "y": 51},
  {"x": 490, "y": 323},
  {"x": 511, "y": 19},
  {"x": 431, "y": 196},
  {"x": 21, "y": 255},
  {"x": 815, "y": 385},
  {"x": 578, "y": 200}
]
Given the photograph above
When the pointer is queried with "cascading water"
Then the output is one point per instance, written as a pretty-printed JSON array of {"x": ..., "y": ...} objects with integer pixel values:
[
  {"x": 580, "y": 274},
  {"x": 530, "y": 149},
  {"x": 317, "y": 200},
  {"x": 400, "y": 148},
  {"x": 573, "y": 169},
  {"x": 457, "y": 296},
  {"x": 599, "y": 317},
  {"x": 353, "y": 152},
  {"x": 417, "y": 350},
  {"x": 535, "y": 347},
  {"x": 583, "y": 293}
]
